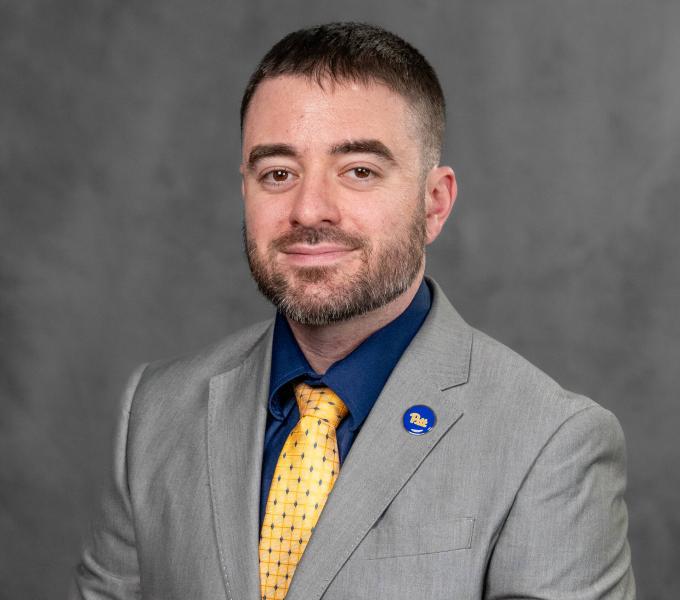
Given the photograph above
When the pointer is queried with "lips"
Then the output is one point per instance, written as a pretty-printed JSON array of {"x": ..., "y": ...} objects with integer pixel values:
[
  {"x": 315, "y": 254},
  {"x": 315, "y": 249}
]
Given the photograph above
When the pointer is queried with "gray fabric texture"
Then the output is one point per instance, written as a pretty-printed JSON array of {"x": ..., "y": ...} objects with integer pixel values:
[{"x": 517, "y": 492}]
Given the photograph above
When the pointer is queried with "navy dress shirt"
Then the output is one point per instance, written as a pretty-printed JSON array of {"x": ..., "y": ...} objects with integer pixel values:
[{"x": 358, "y": 379}]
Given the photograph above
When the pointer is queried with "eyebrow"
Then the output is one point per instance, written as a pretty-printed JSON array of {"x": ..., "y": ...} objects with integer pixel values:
[
  {"x": 364, "y": 146},
  {"x": 267, "y": 150},
  {"x": 348, "y": 147}
]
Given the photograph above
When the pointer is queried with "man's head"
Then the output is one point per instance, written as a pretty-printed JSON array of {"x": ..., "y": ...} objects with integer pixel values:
[
  {"x": 359, "y": 53},
  {"x": 340, "y": 195}
]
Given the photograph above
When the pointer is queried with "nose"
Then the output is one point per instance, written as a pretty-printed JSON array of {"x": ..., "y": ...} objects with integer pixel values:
[{"x": 314, "y": 203}]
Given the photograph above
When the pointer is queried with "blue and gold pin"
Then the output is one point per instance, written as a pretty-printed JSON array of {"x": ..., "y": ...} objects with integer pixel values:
[{"x": 419, "y": 419}]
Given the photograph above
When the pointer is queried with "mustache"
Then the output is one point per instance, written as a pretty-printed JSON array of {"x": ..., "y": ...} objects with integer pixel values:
[{"x": 313, "y": 235}]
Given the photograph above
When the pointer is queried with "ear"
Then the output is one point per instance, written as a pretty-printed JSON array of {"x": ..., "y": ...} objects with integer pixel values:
[
  {"x": 241, "y": 170},
  {"x": 441, "y": 190}
]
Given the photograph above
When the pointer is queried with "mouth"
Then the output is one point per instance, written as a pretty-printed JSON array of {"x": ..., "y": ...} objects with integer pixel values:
[{"x": 315, "y": 255}]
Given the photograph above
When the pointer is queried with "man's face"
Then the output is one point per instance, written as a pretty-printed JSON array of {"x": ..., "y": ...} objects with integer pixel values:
[{"x": 334, "y": 197}]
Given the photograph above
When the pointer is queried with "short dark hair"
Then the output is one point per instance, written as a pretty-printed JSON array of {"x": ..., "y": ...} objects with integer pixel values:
[{"x": 365, "y": 54}]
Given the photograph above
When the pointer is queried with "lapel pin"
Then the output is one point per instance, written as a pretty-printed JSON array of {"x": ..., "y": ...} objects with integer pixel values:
[{"x": 419, "y": 419}]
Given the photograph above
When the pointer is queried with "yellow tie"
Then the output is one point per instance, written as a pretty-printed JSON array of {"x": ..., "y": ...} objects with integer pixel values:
[{"x": 304, "y": 476}]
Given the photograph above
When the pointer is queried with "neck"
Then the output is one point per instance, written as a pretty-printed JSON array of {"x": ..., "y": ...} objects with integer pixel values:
[{"x": 325, "y": 344}]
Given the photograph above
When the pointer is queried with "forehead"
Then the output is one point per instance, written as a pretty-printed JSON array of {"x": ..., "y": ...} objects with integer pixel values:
[{"x": 304, "y": 112}]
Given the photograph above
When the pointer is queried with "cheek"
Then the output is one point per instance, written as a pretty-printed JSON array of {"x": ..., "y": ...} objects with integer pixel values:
[
  {"x": 263, "y": 221},
  {"x": 386, "y": 218}
]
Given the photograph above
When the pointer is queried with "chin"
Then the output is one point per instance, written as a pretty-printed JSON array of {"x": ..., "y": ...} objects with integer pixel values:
[{"x": 331, "y": 279}]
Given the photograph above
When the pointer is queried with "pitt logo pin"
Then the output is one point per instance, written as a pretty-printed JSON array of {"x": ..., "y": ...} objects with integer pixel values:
[{"x": 419, "y": 419}]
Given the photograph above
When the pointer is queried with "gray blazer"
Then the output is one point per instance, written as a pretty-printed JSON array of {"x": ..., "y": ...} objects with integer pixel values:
[{"x": 517, "y": 492}]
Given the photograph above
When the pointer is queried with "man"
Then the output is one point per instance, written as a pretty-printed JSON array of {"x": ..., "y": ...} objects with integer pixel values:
[{"x": 367, "y": 443}]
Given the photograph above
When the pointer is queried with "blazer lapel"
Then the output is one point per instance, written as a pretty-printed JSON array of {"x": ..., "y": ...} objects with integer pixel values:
[
  {"x": 236, "y": 423},
  {"x": 384, "y": 455}
]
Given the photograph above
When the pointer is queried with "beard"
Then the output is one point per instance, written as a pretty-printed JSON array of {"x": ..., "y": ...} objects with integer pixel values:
[{"x": 318, "y": 296}]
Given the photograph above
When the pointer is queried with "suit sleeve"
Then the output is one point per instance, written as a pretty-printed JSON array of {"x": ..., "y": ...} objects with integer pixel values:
[
  {"x": 565, "y": 535},
  {"x": 109, "y": 567}
]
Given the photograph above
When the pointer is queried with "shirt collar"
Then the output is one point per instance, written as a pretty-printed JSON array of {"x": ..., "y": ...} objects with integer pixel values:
[{"x": 359, "y": 377}]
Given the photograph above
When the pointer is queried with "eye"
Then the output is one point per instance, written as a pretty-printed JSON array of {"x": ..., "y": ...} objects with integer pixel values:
[
  {"x": 361, "y": 173},
  {"x": 276, "y": 176}
]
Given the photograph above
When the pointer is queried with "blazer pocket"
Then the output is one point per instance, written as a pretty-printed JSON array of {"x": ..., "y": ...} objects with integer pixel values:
[{"x": 410, "y": 540}]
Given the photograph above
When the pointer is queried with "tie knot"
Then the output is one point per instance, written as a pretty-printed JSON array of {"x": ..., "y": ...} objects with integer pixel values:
[{"x": 320, "y": 402}]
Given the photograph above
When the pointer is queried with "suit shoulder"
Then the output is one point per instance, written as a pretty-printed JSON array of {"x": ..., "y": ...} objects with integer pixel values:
[
  {"x": 521, "y": 409},
  {"x": 515, "y": 384},
  {"x": 215, "y": 358}
]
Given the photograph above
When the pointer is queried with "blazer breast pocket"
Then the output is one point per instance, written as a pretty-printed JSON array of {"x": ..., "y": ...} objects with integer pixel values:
[{"x": 413, "y": 539}]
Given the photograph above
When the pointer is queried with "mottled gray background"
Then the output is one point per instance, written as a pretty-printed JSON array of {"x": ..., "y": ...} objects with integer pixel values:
[{"x": 120, "y": 223}]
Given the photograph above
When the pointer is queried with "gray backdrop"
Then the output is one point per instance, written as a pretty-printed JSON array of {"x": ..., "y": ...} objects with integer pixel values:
[{"x": 120, "y": 223}]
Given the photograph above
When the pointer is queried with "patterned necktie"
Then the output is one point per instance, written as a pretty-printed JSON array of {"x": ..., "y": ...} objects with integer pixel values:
[{"x": 304, "y": 476}]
